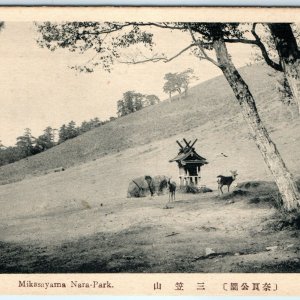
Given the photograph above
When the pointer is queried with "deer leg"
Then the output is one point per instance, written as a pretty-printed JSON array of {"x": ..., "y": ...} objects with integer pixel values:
[
  {"x": 221, "y": 188},
  {"x": 229, "y": 187}
]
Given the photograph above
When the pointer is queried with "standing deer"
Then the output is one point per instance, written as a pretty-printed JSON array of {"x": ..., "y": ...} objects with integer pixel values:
[
  {"x": 172, "y": 189},
  {"x": 226, "y": 180}
]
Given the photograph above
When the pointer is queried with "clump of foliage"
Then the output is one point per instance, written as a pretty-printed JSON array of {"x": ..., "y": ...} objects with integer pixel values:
[
  {"x": 178, "y": 82},
  {"x": 133, "y": 101}
]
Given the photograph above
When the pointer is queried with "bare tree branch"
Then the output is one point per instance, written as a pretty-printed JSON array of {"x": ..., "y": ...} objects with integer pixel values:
[
  {"x": 107, "y": 31},
  {"x": 243, "y": 41},
  {"x": 264, "y": 51},
  {"x": 200, "y": 46},
  {"x": 180, "y": 52},
  {"x": 160, "y": 25},
  {"x": 135, "y": 62},
  {"x": 257, "y": 42},
  {"x": 157, "y": 59}
]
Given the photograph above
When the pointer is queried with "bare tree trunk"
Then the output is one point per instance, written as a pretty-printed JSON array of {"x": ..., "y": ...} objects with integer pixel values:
[
  {"x": 287, "y": 49},
  {"x": 284, "y": 179},
  {"x": 186, "y": 91},
  {"x": 179, "y": 94}
]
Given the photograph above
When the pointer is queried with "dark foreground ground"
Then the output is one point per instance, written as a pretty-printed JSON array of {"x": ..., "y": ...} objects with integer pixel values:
[{"x": 238, "y": 232}]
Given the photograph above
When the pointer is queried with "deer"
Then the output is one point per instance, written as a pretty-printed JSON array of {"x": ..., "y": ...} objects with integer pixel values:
[
  {"x": 172, "y": 189},
  {"x": 226, "y": 180}
]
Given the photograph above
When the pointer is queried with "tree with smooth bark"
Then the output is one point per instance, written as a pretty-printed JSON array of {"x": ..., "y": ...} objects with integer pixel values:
[{"x": 204, "y": 38}]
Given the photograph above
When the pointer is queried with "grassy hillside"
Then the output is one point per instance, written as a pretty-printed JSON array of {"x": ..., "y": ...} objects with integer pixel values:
[
  {"x": 210, "y": 106},
  {"x": 80, "y": 220}
]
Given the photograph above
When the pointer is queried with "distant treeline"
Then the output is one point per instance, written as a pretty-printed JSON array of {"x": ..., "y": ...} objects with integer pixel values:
[{"x": 28, "y": 145}]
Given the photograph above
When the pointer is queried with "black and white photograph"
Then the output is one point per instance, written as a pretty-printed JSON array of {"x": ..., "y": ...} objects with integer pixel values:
[{"x": 144, "y": 146}]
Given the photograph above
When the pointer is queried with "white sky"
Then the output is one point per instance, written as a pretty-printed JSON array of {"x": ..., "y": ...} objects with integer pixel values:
[{"x": 39, "y": 90}]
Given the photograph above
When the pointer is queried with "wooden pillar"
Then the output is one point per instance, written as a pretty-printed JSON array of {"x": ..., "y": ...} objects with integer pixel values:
[
  {"x": 181, "y": 175},
  {"x": 181, "y": 178}
]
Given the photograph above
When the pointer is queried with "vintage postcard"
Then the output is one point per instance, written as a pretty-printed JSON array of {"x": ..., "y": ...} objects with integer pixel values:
[{"x": 150, "y": 151}]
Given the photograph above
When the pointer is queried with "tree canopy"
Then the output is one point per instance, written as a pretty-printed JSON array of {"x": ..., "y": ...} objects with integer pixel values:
[
  {"x": 108, "y": 39},
  {"x": 178, "y": 82},
  {"x": 133, "y": 101}
]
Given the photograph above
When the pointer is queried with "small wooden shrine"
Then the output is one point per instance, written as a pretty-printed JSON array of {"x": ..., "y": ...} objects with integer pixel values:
[{"x": 189, "y": 163}]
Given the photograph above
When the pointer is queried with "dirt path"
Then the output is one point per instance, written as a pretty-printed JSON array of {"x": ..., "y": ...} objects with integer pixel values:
[{"x": 140, "y": 235}]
